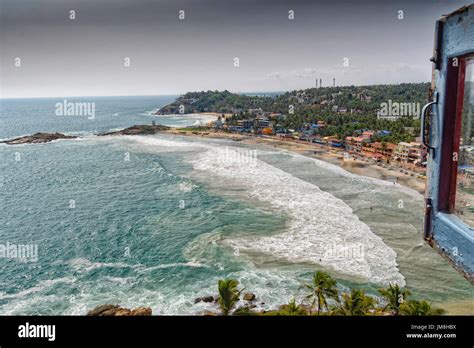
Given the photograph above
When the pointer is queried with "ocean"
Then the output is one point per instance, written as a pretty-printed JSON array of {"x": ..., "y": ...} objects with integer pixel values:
[{"x": 158, "y": 220}]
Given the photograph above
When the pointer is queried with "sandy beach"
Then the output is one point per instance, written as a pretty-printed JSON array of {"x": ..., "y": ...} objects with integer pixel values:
[{"x": 320, "y": 152}]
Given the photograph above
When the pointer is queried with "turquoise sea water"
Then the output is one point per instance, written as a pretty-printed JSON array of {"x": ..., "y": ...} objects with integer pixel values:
[{"x": 157, "y": 220}]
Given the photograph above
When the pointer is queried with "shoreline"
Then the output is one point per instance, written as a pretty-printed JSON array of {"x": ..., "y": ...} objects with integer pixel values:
[
  {"x": 357, "y": 166},
  {"x": 354, "y": 166}
]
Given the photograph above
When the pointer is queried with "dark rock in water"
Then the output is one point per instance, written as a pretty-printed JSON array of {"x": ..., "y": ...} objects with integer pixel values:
[
  {"x": 100, "y": 309},
  {"x": 249, "y": 296},
  {"x": 122, "y": 312},
  {"x": 37, "y": 138},
  {"x": 144, "y": 129},
  {"x": 207, "y": 299},
  {"x": 110, "y": 310},
  {"x": 141, "y": 312},
  {"x": 197, "y": 300}
]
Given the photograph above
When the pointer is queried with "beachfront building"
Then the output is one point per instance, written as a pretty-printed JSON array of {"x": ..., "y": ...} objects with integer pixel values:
[
  {"x": 262, "y": 122},
  {"x": 245, "y": 124},
  {"x": 354, "y": 144},
  {"x": 417, "y": 154},
  {"x": 379, "y": 150},
  {"x": 410, "y": 154},
  {"x": 336, "y": 143},
  {"x": 400, "y": 154}
]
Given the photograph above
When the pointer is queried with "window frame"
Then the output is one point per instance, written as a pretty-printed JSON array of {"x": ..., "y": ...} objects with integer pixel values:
[{"x": 455, "y": 82}]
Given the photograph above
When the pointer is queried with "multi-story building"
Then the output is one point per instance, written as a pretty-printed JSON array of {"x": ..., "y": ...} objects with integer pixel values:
[
  {"x": 400, "y": 153},
  {"x": 410, "y": 154},
  {"x": 354, "y": 144},
  {"x": 245, "y": 124}
]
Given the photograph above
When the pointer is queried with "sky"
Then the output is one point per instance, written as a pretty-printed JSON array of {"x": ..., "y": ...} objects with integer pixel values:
[{"x": 45, "y": 53}]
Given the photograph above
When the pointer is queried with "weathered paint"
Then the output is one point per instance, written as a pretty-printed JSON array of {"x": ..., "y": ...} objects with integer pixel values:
[{"x": 449, "y": 235}]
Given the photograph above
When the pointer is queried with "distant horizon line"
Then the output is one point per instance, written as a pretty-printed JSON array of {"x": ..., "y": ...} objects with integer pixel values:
[{"x": 179, "y": 94}]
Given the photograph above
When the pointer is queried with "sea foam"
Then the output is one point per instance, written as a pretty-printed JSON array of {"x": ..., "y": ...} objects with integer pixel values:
[{"x": 323, "y": 229}]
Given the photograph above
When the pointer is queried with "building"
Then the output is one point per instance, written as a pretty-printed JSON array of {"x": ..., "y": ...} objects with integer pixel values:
[
  {"x": 354, "y": 144},
  {"x": 417, "y": 154},
  {"x": 410, "y": 154},
  {"x": 400, "y": 154},
  {"x": 245, "y": 124},
  {"x": 379, "y": 150},
  {"x": 336, "y": 143},
  {"x": 363, "y": 97},
  {"x": 262, "y": 122},
  {"x": 367, "y": 135}
]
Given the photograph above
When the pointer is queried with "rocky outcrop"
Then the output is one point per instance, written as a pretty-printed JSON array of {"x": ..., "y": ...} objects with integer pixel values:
[
  {"x": 110, "y": 310},
  {"x": 206, "y": 299},
  {"x": 37, "y": 138},
  {"x": 249, "y": 296},
  {"x": 144, "y": 129},
  {"x": 141, "y": 312}
]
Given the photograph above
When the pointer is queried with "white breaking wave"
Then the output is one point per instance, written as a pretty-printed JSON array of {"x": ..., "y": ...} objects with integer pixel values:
[
  {"x": 194, "y": 264},
  {"x": 85, "y": 265},
  {"x": 323, "y": 229},
  {"x": 186, "y": 186},
  {"x": 42, "y": 285}
]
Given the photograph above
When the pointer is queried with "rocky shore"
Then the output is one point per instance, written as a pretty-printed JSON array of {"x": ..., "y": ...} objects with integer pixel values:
[
  {"x": 110, "y": 310},
  {"x": 139, "y": 130},
  {"x": 37, "y": 138}
]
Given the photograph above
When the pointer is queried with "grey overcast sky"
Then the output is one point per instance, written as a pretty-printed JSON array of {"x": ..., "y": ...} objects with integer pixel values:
[{"x": 85, "y": 56}]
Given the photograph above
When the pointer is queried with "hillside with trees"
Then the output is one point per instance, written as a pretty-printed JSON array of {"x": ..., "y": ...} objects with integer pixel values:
[{"x": 345, "y": 110}]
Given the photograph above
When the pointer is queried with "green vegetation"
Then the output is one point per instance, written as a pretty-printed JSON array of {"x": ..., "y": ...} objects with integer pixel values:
[
  {"x": 324, "y": 290},
  {"x": 419, "y": 308},
  {"x": 395, "y": 297},
  {"x": 228, "y": 295},
  {"x": 355, "y": 303},
  {"x": 292, "y": 309},
  {"x": 322, "y": 287},
  {"x": 317, "y": 104}
]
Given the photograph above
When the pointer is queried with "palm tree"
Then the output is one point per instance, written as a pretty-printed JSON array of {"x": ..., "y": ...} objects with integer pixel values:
[
  {"x": 355, "y": 303},
  {"x": 419, "y": 308},
  {"x": 228, "y": 294},
  {"x": 322, "y": 287},
  {"x": 395, "y": 297},
  {"x": 292, "y": 309}
]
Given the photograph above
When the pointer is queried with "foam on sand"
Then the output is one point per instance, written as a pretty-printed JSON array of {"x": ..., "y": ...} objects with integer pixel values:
[{"x": 323, "y": 229}]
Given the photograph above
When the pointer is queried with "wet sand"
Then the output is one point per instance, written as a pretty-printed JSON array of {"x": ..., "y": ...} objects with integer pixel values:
[{"x": 320, "y": 152}]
